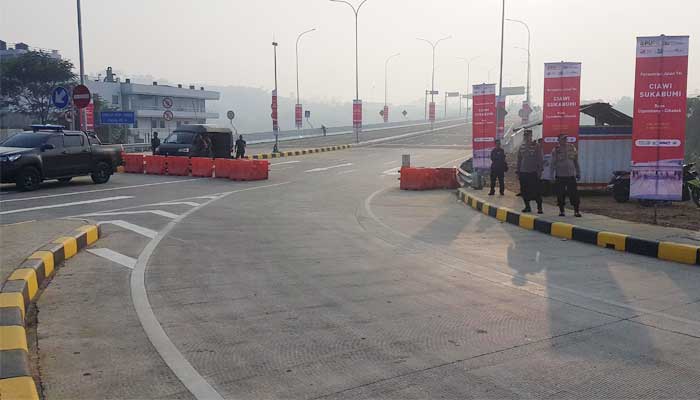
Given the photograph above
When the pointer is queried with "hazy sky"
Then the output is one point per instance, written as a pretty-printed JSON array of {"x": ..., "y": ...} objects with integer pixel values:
[{"x": 228, "y": 42}]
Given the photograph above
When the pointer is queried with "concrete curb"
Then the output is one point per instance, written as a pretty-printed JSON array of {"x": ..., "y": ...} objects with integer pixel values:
[
  {"x": 670, "y": 251},
  {"x": 266, "y": 156},
  {"x": 18, "y": 292}
]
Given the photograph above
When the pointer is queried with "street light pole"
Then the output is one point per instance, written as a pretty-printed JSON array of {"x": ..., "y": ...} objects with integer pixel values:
[
  {"x": 83, "y": 115},
  {"x": 275, "y": 125},
  {"x": 298, "y": 105},
  {"x": 432, "y": 79},
  {"x": 357, "y": 64},
  {"x": 386, "y": 86},
  {"x": 469, "y": 89},
  {"x": 503, "y": 26},
  {"x": 527, "y": 96}
]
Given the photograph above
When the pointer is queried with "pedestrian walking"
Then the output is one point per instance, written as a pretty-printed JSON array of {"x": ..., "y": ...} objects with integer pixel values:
[
  {"x": 240, "y": 147},
  {"x": 499, "y": 167},
  {"x": 566, "y": 172},
  {"x": 155, "y": 142},
  {"x": 529, "y": 171},
  {"x": 323, "y": 128}
]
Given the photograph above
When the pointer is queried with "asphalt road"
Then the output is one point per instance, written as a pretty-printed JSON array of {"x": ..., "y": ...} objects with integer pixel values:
[{"x": 328, "y": 282}]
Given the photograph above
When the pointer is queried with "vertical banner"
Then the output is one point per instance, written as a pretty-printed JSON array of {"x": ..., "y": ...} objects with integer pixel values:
[
  {"x": 357, "y": 114},
  {"x": 275, "y": 121},
  {"x": 658, "y": 130},
  {"x": 297, "y": 116},
  {"x": 90, "y": 117},
  {"x": 561, "y": 110},
  {"x": 501, "y": 116},
  {"x": 483, "y": 124},
  {"x": 431, "y": 111},
  {"x": 386, "y": 114}
]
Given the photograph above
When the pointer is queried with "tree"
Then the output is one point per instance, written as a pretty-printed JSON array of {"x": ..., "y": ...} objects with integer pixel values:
[
  {"x": 692, "y": 131},
  {"x": 26, "y": 83}
]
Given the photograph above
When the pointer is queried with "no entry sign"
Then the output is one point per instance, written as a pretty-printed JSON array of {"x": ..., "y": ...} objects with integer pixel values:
[{"x": 81, "y": 96}]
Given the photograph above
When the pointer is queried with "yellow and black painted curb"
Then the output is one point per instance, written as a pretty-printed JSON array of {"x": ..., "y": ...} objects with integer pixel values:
[
  {"x": 679, "y": 252},
  {"x": 18, "y": 292},
  {"x": 266, "y": 156}
]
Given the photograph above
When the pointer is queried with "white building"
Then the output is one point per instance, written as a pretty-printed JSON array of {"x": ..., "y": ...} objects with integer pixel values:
[{"x": 148, "y": 102}]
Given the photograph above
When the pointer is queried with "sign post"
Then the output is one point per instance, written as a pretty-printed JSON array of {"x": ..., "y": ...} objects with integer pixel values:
[
  {"x": 658, "y": 130},
  {"x": 60, "y": 97},
  {"x": 560, "y": 111}
]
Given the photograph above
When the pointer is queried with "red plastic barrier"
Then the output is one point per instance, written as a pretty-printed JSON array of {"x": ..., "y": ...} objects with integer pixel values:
[
  {"x": 428, "y": 178},
  {"x": 222, "y": 167},
  {"x": 446, "y": 178},
  {"x": 203, "y": 167},
  {"x": 249, "y": 170},
  {"x": 155, "y": 164},
  {"x": 133, "y": 163},
  {"x": 240, "y": 170},
  {"x": 261, "y": 170},
  {"x": 179, "y": 166}
]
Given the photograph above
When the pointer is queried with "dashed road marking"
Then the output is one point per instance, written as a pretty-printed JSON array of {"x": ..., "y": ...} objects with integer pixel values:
[
  {"x": 74, "y": 203},
  {"x": 156, "y": 212},
  {"x": 327, "y": 168},
  {"x": 346, "y": 171},
  {"x": 174, "y": 203},
  {"x": 112, "y": 255},
  {"x": 150, "y": 233},
  {"x": 286, "y": 162}
]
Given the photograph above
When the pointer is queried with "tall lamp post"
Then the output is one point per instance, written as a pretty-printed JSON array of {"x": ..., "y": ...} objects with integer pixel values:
[
  {"x": 432, "y": 79},
  {"x": 469, "y": 89},
  {"x": 83, "y": 114},
  {"x": 357, "y": 103},
  {"x": 275, "y": 121},
  {"x": 297, "y": 108},
  {"x": 527, "y": 96},
  {"x": 386, "y": 86}
]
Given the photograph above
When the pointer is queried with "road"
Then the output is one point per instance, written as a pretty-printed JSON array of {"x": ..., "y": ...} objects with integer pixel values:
[{"x": 328, "y": 282}]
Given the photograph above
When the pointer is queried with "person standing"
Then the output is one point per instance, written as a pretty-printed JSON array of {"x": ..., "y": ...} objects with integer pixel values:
[
  {"x": 240, "y": 147},
  {"x": 499, "y": 167},
  {"x": 529, "y": 171},
  {"x": 566, "y": 172},
  {"x": 155, "y": 142}
]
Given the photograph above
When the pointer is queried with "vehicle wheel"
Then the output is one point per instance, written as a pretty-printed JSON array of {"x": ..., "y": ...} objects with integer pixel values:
[
  {"x": 28, "y": 179},
  {"x": 695, "y": 195},
  {"x": 64, "y": 180},
  {"x": 102, "y": 173}
]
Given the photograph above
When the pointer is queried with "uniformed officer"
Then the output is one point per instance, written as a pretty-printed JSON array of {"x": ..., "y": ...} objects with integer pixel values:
[
  {"x": 499, "y": 166},
  {"x": 566, "y": 171},
  {"x": 529, "y": 171}
]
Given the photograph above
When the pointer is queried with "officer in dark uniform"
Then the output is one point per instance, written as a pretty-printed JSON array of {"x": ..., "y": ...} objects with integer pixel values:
[
  {"x": 155, "y": 142},
  {"x": 499, "y": 167},
  {"x": 240, "y": 147}
]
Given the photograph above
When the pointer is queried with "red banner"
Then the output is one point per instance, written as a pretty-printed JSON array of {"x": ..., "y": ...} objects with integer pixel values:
[
  {"x": 274, "y": 115},
  {"x": 431, "y": 111},
  {"x": 561, "y": 111},
  {"x": 357, "y": 113},
  {"x": 483, "y": 124},
  {"x": 385, "y": 114},
  {"x": 298, "y": 115},
  {"x": 658, "y": 131},
  {"x": 501, "y": 116},
  {"x": 90, "y": 116}
]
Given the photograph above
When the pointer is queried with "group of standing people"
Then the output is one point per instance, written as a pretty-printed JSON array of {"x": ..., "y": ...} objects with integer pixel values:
[{"x": 530, "y": 166}]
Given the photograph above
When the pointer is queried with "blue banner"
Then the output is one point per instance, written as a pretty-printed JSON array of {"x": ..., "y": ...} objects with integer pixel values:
[{"x": 117, "y": 117}]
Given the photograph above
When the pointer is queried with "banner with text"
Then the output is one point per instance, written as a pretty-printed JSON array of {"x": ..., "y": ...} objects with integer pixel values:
[
  {"x": 658, "y": 131},
  {"x": 561, "y": 110},
  {"x": 357, "y": 114},
  {"x": 298, "y": 116},
  {"x": 483, "y": 124},
  {"x": 274, "y": 115},
  {"x": 431, "y": 111}
]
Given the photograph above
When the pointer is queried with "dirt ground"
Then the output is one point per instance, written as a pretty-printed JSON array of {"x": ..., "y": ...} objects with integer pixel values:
[{"x": 678, "y": 214}]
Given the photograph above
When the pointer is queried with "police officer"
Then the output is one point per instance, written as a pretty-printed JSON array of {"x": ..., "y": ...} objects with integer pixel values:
[
  {"x": 529, "y": 171},
  {"x": 155, "y": 142},
  {"x": 566, "y": 171},
  {"x": 240, "y": 147},
  {"x": 499, "y": 167}
]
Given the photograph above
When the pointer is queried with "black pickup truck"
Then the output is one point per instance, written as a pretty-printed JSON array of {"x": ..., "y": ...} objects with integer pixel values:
[{"x": 49, "y": 152}]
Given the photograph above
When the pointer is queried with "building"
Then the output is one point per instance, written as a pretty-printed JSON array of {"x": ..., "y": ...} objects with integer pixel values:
[
  {"x": 148, "y": 102},
  {"x": 17, "y": 49}
]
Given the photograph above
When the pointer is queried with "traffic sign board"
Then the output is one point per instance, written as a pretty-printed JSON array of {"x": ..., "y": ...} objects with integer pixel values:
[
  {"x": 168, "y": 115},
  {"x": 307, "y": 114},
  {"x": 60, "y": 97},
  {"x": 230, "y": 114},
  {"x": 433, "y": 92},
  {"x": 117, "y": 117},
  {"x": 167, "y": 102},
  {"x": 452, "y": 94},
  {"x": 81, "y": 96}
]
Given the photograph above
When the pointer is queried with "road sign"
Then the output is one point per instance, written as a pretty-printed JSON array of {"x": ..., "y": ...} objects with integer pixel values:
[
  {"x": 452, "y": 94},
  {"x": 513, "y": 91},
  {"x": 168, "y": 115},
  {"x": 433, "y": 92},
  {"x": 117, "y": 117},
  {"x": 60, "y": 97},
  {"x": 307, "y": 114},
  {"x": 230, "y": 114},
  {"x": 167, "y": 102},
  {"x": 404, "y": 112},
  {"x": 81, "y": 96}
]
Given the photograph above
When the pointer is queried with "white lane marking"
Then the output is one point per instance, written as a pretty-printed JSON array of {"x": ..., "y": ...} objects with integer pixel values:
[
  {"x": 212, "y": 197},
  {"x": 150, "y": 233},
  {"x": 98, "y": 190},
  {"x": 391, "y": 171},
  {"x": 18, "y": 223},
  {"x": 286, "y": 162},
  {"x": 451, "y": 161},
  {"x": 74, "y": 203},
  {"x": 193, "y": 381},
  {"x": 112, "y": 255},
  {"x": 174, "y": 203},
  {"x": 391, "y": 162},
  {"x": 409, "y": 134},
  {"x": 156, "y": 212},
  {"x": 327, "y": 168},
  {"x": 346, "y": 171}
]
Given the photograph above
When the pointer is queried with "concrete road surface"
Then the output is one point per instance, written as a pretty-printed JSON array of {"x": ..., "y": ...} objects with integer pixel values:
[{"x": 328, "y": 282}]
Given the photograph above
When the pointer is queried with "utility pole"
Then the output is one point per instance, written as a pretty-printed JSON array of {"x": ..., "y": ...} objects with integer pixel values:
[
  {"x": 386, "y": 86},
  {"x": 83, "y": 115},
  {"x": 503, "y": 24},
  {"x": 275, "y": 123},
  {"x": 298, "y": 108},
  {"x": 432, "y": 79}
]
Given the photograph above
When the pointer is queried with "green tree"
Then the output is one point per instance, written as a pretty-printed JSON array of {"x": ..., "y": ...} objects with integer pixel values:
[
  {"x": 26, "y": 83},
  {"x": 692, "y": 132}
]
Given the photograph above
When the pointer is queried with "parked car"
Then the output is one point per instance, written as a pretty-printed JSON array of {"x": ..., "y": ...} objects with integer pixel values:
[
  {"x": 49, "y": 152},
  {"x": 188, "y": 141}
]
